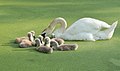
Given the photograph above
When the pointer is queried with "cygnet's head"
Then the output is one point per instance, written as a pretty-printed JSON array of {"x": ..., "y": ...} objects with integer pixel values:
[
  {"x": 54, "y": 44},
  {"x": 33, "y": 33},
  {"x": 41, "y": 39},
  {"x": 47, "y": 41},
  {"x": 38, "y": 42},
  {"x": 30, "y": 36}
]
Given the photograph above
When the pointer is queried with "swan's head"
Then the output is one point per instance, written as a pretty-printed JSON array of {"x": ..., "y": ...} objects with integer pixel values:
[
  {"x": 47, "y": 31},
  {"x": 53, "y": 24},
  {"x": 43, "y": 34}
]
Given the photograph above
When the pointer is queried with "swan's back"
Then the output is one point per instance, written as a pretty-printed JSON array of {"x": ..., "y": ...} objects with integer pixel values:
[{"x": 88, "y": 25}]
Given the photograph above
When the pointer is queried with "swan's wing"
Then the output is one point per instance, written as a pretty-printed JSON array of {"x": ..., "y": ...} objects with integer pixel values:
[
  {"x": 101, "y": 23},
  {"x": 89, "y": 25},
  {"x": 84, "y": 25},
  {"x": 95, "y": 23}
]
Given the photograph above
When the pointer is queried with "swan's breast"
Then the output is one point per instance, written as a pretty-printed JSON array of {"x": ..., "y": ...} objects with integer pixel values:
[{"x": 58, "y": 33}]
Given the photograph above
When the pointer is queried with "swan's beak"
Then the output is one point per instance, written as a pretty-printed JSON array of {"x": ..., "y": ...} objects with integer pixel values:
[{"x": 44, "y": 34}]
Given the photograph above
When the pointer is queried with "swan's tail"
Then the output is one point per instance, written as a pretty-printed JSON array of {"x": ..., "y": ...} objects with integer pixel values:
[{"x": 109, "y": 32}]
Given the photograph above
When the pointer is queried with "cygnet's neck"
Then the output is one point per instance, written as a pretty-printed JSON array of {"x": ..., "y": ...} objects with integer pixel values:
[
  {"x": 30, "y": 37},
  {"x": 47, "y": 42}
]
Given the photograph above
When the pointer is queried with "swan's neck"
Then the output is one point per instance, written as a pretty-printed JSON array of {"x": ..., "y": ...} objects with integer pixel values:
[{"x": 53, "y": 24}]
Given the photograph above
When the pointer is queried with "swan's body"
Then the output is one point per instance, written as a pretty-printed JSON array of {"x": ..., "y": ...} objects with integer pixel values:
[{"x": 83, "y": 29}]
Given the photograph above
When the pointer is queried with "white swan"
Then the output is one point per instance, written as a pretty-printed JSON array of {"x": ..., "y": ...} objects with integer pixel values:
[{"x": 83, "y": 29}]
